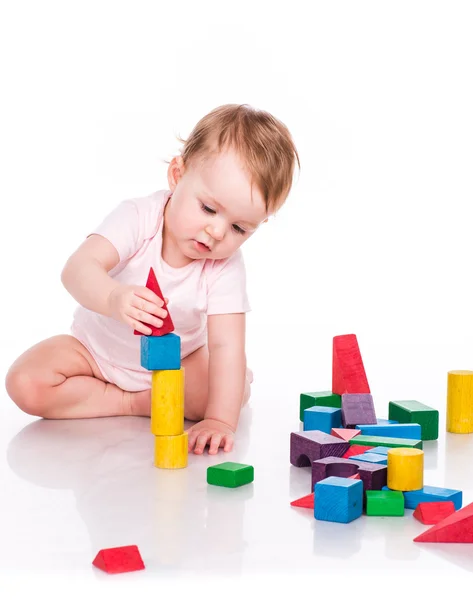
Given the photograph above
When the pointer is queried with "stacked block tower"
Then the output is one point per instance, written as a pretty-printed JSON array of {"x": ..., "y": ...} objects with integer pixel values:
[{"x": 161, "y": 354}]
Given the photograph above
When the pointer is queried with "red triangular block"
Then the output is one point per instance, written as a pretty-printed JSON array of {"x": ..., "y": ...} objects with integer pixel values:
[
  {"x": 305, "y": 501},
  {"x": 345, "y": 434},
  {"x": 431, "y": 513},
  {"x": 355, "y": 450},
  {"x": 348, "y": 372},
  {"x": 168, "y": 325},
  {"x": 119, "y": 560},
  {"x": 455, "y": 528},
  {"x": 355, "y": 476}
]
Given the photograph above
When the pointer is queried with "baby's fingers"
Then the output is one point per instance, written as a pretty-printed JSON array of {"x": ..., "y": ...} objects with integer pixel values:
[
  {"x": 215, "y": 442},
  {"x": 201, "y": 441},
  {"x": 227, "y": 443}
]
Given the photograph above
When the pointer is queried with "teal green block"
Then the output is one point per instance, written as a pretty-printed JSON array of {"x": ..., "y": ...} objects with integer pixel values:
[
  {"x": 311, "y": 399},
  {"x": 230, "y": 474}
]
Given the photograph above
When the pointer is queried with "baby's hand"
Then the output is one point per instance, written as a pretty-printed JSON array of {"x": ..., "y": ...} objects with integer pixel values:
[
  {"x": 214, "y": 433},
  {"x": 136, "y": 305}
]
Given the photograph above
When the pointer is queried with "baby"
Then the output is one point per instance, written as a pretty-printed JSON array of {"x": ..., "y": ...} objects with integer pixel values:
[{"x": 235, "y": 170}]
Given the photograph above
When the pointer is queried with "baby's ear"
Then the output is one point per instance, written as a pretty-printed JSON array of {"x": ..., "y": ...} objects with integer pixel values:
[{"x": 175, "y": 171}]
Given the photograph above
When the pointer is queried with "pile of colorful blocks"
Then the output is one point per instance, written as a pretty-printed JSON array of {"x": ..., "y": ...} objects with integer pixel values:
[{"x": 362, "y": 464}]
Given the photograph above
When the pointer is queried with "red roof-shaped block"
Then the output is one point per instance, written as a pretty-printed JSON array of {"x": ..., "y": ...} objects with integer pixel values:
[
  {"x": 345, "y": 434},
  {"x": 305, "y": 501},
  {"x": 458, "y": 528},
  {"x": 348, "y": 371},
  {"x": 355, "y": 476},
  {"x": 168, "y": 325},
  {"x": 431, "y": 513},
  {"x": 119, "y": 560}
]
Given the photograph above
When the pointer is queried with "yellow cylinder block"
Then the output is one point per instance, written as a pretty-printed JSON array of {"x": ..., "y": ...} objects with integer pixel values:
[
  {"x": 167, "y": 402},
  {"x": 460, "y": 402},
  {"x": 405, "y": 469},
  {"x": 170, "y": 451}
]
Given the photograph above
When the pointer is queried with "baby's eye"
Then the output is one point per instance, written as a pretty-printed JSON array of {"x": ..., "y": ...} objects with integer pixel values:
[
  {"x": 238, "y": 229},
  {"x": 207, "y": 209}
]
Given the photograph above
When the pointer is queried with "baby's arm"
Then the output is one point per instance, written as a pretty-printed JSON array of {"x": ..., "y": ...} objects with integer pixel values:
[
  {"x": 227, "y": 376},
  {"x": 86, "y": 278}
]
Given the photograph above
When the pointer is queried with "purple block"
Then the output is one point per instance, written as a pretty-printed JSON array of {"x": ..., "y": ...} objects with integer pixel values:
[
  {"x": 356, "y": 407},
  {"x": 307, "y": 446},
  {"x": 372, "y": 475}
]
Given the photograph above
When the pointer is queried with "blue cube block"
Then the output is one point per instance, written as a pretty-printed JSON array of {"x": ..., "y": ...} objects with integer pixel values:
[
  {"x": 161, "y": 353},
  {"x": 409, "y": 431},
  {"x": 379, "y": 450},
  {"x": 322, "y": 418},
  {"x": 431, "y": 494},
  {"x": 338, "y": 499},
  {"x": 371, "y": 457}
]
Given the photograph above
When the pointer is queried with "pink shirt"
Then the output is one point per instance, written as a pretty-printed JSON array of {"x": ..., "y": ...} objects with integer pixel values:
[{"x": 203, "y": 287}]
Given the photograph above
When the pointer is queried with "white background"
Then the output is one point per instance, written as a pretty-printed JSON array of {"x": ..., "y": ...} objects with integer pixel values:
[{"x": 375, "y": 238}]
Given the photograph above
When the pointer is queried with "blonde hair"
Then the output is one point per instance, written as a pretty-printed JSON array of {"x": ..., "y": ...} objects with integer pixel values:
[{"x": 263, "y": 142}]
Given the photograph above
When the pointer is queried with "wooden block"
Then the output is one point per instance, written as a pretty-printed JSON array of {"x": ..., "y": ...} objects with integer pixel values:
[
  {"x": 460, "y": 402},
  {"x": 230, "y": 474},
  {"x": 170, "y": 451},
  {"x": 377, "y": 459},
  {"x": 411, "y": 411},
  {"x": 122, "y": 559},
  {"x": 167, "y": 402},
  {"x": 457, "y": 528},
  {"x": 368, "y": 440},
  {"x": 408, "y": 431},
  {"x": 338, "y": 499},
  {"x": 322, "y": 418},
  {"x": 355, "y": 451},
  {"x": 357, "y": 408},
  {"x": 431, "y": 513},
  {"x": 386, "y": 422},
  {"x": 308, "y": 446},
  {"x": 161, "y": 353},
  {"x": 373, "y": 476},
  {"x": 348, "y": 372},
  {"x": 345, "y": 434},
  {"x": 168, "y": 325},
  {"x": 355, "y": 476},
  {"x": 432, "y": 494},
  {"x": 380, "y": 450},
  {"x": 318, "y": 399},
  {"x": 405, "y": 469},
  {"x": 381, "y": 503},
  {"x": 305, "y": 501}
]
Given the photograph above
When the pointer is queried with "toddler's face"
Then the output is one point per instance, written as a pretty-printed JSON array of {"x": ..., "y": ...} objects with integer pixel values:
[{"x": 213, "y": 208}]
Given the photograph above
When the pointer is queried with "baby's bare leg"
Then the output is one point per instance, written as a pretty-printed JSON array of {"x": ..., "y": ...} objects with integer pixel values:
[
  {"x": 196, "y": 367},
  {"x": 59, "y": 379}
]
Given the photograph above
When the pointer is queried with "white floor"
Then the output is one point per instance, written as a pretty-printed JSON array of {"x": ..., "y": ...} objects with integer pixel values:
[{"x": 70, "y": 488}]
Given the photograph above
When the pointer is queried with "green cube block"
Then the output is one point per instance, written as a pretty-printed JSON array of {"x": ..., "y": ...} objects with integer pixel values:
[
  {"x": 390, "y": 442},
  {"x": 381, "y": 503},
  {"x": 411, "y": 411},
  {"x": 230, "y": 474},
  {"x": 319, "y": 399}
]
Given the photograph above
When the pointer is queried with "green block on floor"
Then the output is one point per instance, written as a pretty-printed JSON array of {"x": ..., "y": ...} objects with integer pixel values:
[
  {"x": 384, "y": 503},
  {"x": 411, "y": 411},
  {"x": 230, "y": 474},
  {"x": 319, "y": 399},
  {"x": 391, "y": 442}
]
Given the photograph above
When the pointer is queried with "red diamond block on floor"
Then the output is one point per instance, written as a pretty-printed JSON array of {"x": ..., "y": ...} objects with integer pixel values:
[
  {"x": 355, "y": 450},
  {"x": 457, "y": 528},
  {"x": 305, "y": 501},
  {"x": 431, "y": 513},
  {"x": 168, "y": 325},
  {"x": 119, "y": 560}
]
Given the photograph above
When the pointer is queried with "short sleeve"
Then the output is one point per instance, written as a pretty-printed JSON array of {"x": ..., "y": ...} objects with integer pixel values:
[
  {"x": 131, "y": 223},
  {"x": 227, "y": 286}
]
